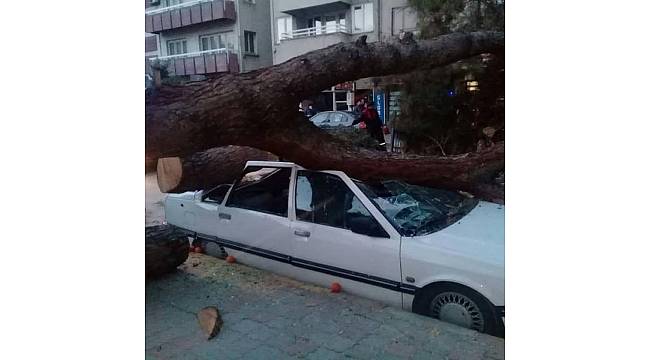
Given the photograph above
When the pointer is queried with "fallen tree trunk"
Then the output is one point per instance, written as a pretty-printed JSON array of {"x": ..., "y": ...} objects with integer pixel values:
[
  {"x": 258, "y": 109},
  {"x": 206, "y": 169},
  {"x": 475, "y": 171},
  {"x": 165, "y": 249}
]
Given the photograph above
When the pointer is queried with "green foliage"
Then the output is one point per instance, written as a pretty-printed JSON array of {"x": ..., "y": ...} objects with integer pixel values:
[
  {"x": 439, "y": 113},
  {"x": 439, "y": 17}
]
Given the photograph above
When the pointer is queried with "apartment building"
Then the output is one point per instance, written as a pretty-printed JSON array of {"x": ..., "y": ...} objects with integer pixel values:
[
  {"x": 301, "y": 26},
  {"x": 202, "y": 37}
]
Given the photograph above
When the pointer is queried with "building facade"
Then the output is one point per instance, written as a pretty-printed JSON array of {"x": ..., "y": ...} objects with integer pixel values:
[
  {"x": 201, "y": 37},
  {"x": 300, "y": 26}
]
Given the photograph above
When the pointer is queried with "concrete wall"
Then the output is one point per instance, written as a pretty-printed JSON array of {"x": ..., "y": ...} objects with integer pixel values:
[
  {"x": 257, "y": 18},
  {"x": 291, "y": 48}
]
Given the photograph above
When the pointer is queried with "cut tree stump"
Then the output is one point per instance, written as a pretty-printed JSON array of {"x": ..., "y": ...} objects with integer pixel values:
[
  {"x": 206, "y": 169},
  {"x": 165, "y": 249}
]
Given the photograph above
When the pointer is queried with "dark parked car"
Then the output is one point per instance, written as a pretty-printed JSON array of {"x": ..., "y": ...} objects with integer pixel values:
[{"x": 335, "y": 119}]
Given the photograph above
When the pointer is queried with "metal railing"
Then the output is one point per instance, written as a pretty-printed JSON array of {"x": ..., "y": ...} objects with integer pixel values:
[
  {"x": 315, "y": 31},
  {"x": 193, "y": 54},
  {"x": 177, "y": 6}
]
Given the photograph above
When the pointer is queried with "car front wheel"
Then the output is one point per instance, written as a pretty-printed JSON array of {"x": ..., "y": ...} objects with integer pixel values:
[{"x": 459, "y": 305}]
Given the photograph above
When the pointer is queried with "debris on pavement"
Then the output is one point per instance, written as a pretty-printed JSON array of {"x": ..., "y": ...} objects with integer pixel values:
[{"x": 210, "y": 321}]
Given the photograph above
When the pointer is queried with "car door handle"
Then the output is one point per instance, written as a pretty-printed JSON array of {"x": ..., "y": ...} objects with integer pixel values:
[
  {"x": 302, "y": 233},
  {"x": 224, "y": 216}
]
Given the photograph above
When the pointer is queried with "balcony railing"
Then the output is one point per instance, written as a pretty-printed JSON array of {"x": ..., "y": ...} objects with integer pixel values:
[
  {"x": 177, "y": 6},
  {"x": 189, "y": 13},
  {"x": 192, "y": 54},
  {"x": 200, "y": 62},
  {"x": 315, "y": 31}
]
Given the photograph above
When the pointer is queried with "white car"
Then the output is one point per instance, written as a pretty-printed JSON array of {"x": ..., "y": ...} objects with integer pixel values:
[{"x": 435, "y": 252}]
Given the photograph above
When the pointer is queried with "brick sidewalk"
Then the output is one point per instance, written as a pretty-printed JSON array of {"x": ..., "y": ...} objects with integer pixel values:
[{"x": 271, "y": 317}]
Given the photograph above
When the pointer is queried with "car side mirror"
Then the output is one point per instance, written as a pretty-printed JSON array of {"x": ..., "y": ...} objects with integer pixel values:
[{"x": 366, "y": 226}]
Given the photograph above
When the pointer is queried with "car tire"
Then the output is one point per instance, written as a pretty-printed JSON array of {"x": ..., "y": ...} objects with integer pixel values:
[
  {"x": 460, "y": 305},
  {"x": 211, "y": 248}
]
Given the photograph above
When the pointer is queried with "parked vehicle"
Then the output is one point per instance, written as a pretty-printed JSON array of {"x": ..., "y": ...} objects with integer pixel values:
[
  {"x": 335, "y": 119},
  {"x": 435, "y": 252}
]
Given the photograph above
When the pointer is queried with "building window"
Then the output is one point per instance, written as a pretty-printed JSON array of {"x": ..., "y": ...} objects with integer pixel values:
[
  {"x": 250, "y": 1},
  {"x": 362, "y": 17},
  {"x": 327, "y": 23},
  {"x": 403, "y": 19},
  {"x": 285, "y": 27},
  {"x": 175, "y": 47},
  {"x": 216, "y": 41},
  {"x": 249, "y": 42}
]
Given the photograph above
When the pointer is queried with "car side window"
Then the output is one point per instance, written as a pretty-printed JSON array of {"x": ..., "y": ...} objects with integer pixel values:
[
  {"x": 337, "y": 118},
  {"x": 263, "y": 189},
  {"x": 217, "y": 194},
  {"x": 325, "y": 199},
  {"x": 320, "y": 118}
]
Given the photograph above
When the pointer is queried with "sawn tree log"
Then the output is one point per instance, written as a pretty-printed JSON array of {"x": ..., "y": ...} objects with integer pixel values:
[
  {"x": 206, "y": 169},
  {"x": 259, "y": 109},
  {"x": 165, "y": 249}
]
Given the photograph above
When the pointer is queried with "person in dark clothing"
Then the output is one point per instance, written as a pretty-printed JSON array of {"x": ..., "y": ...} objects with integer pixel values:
[
  {"x": 361, "y": 105},
  {"x": 310, "y": 111},
  {"x": 373, "y": 124}
]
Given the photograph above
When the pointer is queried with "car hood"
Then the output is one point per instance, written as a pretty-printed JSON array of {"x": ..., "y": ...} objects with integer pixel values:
[{"x": 479, "y": 234}]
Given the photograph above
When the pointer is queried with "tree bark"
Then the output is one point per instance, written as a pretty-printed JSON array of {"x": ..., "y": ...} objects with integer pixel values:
[
  {"x": 259, "y": 109},
  {"x": 165, "y": 249},
  {"x": 206, "y": 169}
]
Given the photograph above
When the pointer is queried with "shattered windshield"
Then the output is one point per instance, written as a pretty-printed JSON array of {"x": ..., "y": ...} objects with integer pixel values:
[{"x": 417, "y": 210}]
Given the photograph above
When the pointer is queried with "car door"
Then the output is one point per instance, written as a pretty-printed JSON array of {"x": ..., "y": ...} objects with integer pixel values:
[
  {"x": 336, "y": 234},
  {"x": 207, "y": 210},
  {"x": 252, "y": 222}
]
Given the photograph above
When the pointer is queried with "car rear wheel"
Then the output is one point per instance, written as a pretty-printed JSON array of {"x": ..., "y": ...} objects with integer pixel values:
[
  {"x": 459, "y": 305},
  {"x": 211, "y": 248}
]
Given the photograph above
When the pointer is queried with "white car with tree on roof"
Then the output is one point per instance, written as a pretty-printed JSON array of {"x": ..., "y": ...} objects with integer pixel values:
[{"x": 436, "y": 252}]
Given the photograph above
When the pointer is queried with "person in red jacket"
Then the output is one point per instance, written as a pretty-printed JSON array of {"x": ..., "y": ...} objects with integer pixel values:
[{"x": 373, "y": 124}]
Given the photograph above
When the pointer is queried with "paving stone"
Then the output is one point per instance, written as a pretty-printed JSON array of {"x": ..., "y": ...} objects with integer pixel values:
[
  {"x": 301, "y": 346},
  {"x": 264, "y": 352},
  {"x": 245, "y": 326},
  {"x": 400, "y": 350},
  {"x": 338, "y": 343},
  {"x": 324, "y": 354},
  {"x": 261, "y": 333},
  {"x": 279, "y": 318}
]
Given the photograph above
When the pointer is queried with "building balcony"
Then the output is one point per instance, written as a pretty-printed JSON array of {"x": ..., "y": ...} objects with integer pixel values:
[
  {"x": 189, "y": 13},
  {"x": 301, "y": 7},
  {"x": 198, "y": 63},
  {"x": 300, "y": 41}
]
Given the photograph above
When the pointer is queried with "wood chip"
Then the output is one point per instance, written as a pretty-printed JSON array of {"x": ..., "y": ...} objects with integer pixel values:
[{"x": 210, "y": 321}]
